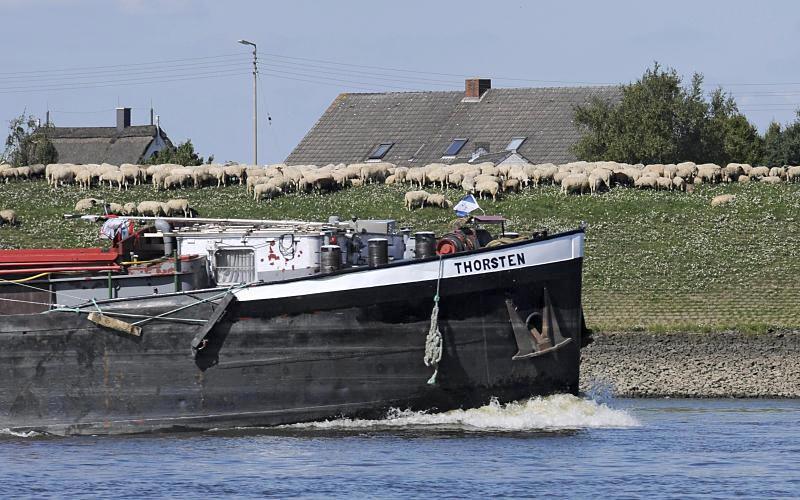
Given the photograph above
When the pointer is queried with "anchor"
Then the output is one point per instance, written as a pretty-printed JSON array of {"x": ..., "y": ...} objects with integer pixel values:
[{"x": 530, "y": 341}]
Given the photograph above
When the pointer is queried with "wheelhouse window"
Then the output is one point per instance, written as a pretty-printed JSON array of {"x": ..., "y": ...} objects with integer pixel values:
[
  {"x": 234, "y": 265},
  {"x": 380, "y": 151},
  {"x": 515, "y": 143},
  {"x": 455, "y": 147}
]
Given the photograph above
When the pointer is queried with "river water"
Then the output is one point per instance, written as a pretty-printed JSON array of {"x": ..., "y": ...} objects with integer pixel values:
[{"x": 560, "y": 446}]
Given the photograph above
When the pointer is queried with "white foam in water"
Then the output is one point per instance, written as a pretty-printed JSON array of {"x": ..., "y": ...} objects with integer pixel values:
[
  {"x": 28, "y": 434},
  {"x": 552, "y": 413}
]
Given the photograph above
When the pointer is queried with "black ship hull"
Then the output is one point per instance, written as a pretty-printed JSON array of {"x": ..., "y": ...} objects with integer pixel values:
[{"x": 345, "y": 345}]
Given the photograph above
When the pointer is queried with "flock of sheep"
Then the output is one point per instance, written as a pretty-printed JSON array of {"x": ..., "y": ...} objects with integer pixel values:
[
  {"x": 482, "y": 179},
  {"x": 178, "y": 207}
]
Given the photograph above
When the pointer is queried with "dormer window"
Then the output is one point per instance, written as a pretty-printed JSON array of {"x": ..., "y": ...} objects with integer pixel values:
[
  {"x": 454, "y": 147},
  {"x": 515, "y": 143},
  {"x": 380, "y": 151}
]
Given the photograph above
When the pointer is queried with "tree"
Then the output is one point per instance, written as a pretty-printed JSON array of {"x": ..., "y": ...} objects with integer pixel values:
[
  {"x": 183, "y": 154},
  {"x": 773, "y": 153},
  {"x": 28, "y": 144},
  {"x": 657, "y": 120}
]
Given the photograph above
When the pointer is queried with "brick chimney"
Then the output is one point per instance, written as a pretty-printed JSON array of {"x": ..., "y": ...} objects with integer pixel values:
[
  {"x": 123, "y": 118},
  {"x": 475, "y": 87}
]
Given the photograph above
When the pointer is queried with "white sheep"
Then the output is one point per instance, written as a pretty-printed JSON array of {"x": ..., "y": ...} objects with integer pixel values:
[
  {"x": 438, "y": 200},
  {"x": 130, "y": 208},
  {"x": 646, "y": 182},
  {"x": 771, "y": 180},
  {"x": 595, "y": 183},
  {"x": 412, "y": 199},
  {"x": 679, "y": 183},
  {"x": 150, "y": 208},
  {"x": 575, "y": 183},
  {"x": 759, "y": 172},
  {"x": 267, "y": 190},
  {"x": 487, "y": 187},
  {"x": 177, "y": 206},
  {"x": 722, "y": 199},
  {"x": 86, "y": 204},
  {"x": 8, "y": 217},
  {"x": 84, "y": 179},
  {"x": 793, "y": 174}
]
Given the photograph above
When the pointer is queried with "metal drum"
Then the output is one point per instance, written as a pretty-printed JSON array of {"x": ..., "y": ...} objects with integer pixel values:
[
  {"x": 424, "y": 244},
  {"x": 377, "y": 252},
  {"x": 330, "y": 258}
]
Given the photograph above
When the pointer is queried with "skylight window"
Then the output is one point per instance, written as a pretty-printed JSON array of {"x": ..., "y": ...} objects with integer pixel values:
[
  {"x": 455, "y": 147},
  {"x": 380, "y": 151},
  {"x": 515, "y": 143}
]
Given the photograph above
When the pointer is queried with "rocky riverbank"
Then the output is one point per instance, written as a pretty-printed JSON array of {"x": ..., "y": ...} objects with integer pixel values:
[{"x": 696, "y": 365}]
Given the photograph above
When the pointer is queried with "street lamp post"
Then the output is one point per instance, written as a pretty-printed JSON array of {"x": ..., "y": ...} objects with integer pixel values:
[{"x": 255, "y": 100}]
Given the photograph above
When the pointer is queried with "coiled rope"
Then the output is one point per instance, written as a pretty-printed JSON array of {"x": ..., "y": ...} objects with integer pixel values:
[{"x": 433, "y": 342}]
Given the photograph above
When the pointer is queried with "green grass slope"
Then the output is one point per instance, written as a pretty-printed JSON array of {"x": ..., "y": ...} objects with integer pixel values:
[{"x": 654, "y": 260}]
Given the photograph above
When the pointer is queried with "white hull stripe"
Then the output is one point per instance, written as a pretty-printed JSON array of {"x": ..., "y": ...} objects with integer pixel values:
[{"x": 536, "y": 253}]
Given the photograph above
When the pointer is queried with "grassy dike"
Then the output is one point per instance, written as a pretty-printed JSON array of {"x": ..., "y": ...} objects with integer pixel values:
[{"x": 655, "y": 261}]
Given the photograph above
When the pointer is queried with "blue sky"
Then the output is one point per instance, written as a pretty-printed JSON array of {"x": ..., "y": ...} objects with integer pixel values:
[{"x": 82, "y": 58}]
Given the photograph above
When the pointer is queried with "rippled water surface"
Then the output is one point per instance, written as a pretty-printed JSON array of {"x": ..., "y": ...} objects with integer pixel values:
[{"x": 559, "y": 446}]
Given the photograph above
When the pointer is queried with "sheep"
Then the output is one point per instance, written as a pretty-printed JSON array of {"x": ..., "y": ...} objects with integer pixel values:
[
  {"x": 130, "y": 208},
  {"x": 793, "y": 174},
  {"x": 391, "y": 179},
  {"x": 86, "y": 204},
  {"x": 722, "y": 199},
  {"x": 664, "y": 183},
  {"x": 743, "y": 179},
  {"x": 487, "y": 187},
  {"x": 771, "y": 180},
  {"x": 23, "y": 172},
  {"x": 374, "y": 173},
  {"x": 544, "y": 173},
  {"x": 150, "y": 208},
  {"x": 437, "y": 174},
  {"x": 646, "y": 182},
  {"x": 234, "y": 172},
  {"x": 731, "y": 172},
  {"x": 575, "y": 183},
  {"x": 218, "y": 173},
  {"x": 61, "y": 176},
  {"x": 515, "y": 172},
  {"x": 559, "y": 176},
  {"x": 416, "y": 175},
  {"x": 8, "y": 217},
  {"x": 595, "y": 183},
  {"x": 709, "y": 172},
  {"x": 114, "y": 208},
  {"x": 177, "y": 206},
  {"x": 511, "y": 185},
  {"x": 679, "y": 183},
  {"x": 252, "y": 181},
  {"x": 655, "y": 168},
  {"x": 356, "y": 183},
  {"x": 777, "y": 172},
  {"x": 84, "y": 179},
  {"x": 171, "y": 181},
  {"x": 132, "y": 173},
  {"x": 113, "y": 176},
  {"x": 686, "y": 169},
  {"x": 468, "y": 184},
  {"x": 412, "y": 199},
  {"x": 400, "y": 174},
  {"x": 759, "y": 172},
  {"x": 268, "y": 190},
  {"x": 438, "y": 200},
  {"x": 670, "y": 170}
]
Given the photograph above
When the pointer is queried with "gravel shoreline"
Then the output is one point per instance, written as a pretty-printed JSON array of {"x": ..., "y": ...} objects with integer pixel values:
[{"x": 694, "y": 365}]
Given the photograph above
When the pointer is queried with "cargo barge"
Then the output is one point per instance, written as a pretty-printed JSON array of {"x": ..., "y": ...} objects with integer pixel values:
[{"x": 192, "y": 324}]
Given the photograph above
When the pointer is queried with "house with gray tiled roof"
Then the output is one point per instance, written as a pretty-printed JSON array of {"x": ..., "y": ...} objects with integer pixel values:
[
  {"x": 116, "y": 145},
  {"x": 479, "y": 124}
]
